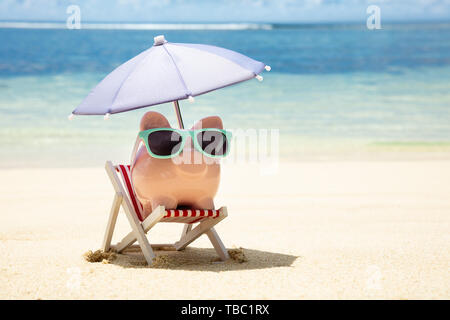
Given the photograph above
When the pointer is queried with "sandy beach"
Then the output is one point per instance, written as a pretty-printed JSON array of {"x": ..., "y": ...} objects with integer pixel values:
[{"x": 347, "y": 230}]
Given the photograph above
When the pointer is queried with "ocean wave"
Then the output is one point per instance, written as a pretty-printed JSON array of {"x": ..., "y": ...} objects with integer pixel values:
[{"x": 139, "y": 26}]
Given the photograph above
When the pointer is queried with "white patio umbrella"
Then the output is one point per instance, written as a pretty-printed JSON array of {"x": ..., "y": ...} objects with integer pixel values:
[{"x": 168, "y": 72}]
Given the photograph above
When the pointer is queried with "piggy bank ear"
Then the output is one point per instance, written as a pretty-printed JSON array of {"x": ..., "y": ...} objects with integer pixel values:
[
  {"x": 152, "y": 120},
  {"x": 209, "y": 122}
]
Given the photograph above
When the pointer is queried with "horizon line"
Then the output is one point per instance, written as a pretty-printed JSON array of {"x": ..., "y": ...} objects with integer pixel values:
[
  {"x": 188, "y": 25},
  {"x": 137, "y": 26}
]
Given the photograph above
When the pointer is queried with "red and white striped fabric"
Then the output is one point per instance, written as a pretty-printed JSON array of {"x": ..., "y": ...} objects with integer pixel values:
[
  {"x": 189, "y": 216},
  {"x": 174, "y": 215}
]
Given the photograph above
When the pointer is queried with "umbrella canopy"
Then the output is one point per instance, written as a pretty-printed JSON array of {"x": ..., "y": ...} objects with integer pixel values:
[{"x": 168, "y": 72}]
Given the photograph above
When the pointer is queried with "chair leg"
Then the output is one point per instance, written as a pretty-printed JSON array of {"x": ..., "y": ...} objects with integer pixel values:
[
  {"x": 187, "y": 227},
  {"x": 131, "y": 215},
  {"x": 147, "y": 224},
  {"x": 143, "y": 242},
  {"x": 112, "y": 221},
  {"x": 138, "y": 232},
  {"x": 195, "y": 233},
  {"x": 218, "y": 244}
]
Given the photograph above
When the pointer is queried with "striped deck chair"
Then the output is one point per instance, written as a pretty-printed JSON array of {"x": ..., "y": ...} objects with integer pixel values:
[{"x": 126, "y": 197}]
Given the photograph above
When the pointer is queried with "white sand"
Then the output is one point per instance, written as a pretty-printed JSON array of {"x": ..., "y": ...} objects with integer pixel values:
[{"x": 314, "y": 230}]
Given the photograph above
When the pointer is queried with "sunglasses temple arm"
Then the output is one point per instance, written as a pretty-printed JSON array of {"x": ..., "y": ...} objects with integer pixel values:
[{"x": 134, "y": 151}]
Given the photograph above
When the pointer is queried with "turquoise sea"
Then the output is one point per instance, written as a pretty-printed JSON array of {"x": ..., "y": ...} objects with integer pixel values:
[{"x": 334, "y": 92}]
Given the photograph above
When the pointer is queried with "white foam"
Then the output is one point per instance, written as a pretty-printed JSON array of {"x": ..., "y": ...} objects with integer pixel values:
[{"x": 139, "y": 26}]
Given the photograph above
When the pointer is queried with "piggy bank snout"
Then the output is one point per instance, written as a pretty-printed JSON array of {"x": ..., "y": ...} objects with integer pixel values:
[{"x": 190, "y": 162}]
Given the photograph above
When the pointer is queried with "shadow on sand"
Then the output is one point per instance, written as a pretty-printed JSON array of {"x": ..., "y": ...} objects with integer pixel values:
[{"x": 203, "y": 259}]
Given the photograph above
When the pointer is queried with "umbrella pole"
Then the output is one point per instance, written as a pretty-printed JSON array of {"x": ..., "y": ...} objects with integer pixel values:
[
  {"x": 187, "y": 227},
  {"x": 177, "y": 111}
]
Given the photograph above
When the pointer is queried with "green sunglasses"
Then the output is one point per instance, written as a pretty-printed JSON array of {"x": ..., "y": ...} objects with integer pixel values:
[{"x": 165, "y": 143}]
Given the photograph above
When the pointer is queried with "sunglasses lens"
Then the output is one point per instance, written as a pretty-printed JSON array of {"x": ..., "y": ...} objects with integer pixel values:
[
  {"x": 164, "y": 142},
  {"x": 214, "y": 143}
]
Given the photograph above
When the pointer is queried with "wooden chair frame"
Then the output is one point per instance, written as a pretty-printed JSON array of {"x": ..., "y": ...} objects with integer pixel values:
[{"x": 141, "y": 228}]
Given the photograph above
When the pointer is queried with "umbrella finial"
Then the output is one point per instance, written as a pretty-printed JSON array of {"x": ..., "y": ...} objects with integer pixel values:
[{"x": 159, "y": 40}]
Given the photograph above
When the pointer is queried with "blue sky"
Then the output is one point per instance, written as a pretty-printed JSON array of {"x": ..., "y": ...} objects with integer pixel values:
[{"x": 300, "y": 11}]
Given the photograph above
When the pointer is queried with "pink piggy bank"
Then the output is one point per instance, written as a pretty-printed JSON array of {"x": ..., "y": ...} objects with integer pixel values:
[{"x": 179, "y": 181}]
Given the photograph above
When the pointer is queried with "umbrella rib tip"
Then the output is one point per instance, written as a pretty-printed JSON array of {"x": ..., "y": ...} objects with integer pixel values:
[
  {"x": 191, "y": 99},
  {"x": 268, "y": 68},
  {"x": 159, "y": 40},
  {"x": 71, "y": 116},
  {"x": 106, "y": 116},
  {"x": 259, "y": 77}
]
